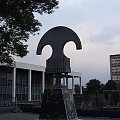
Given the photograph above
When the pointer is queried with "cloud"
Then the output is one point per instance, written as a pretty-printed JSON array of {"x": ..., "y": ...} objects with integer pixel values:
[
  {"x": 107, "y": 34},
  {"x": 93, "y": 60},
  {"x": 97, "y": 23}
]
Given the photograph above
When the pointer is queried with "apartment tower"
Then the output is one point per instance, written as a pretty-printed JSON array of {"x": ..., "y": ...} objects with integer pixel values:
[{"x": 115, "y": 69}]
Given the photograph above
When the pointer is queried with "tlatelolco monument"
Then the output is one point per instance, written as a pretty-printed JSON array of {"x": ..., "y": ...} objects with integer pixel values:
[{"x": 58, "y": 102}]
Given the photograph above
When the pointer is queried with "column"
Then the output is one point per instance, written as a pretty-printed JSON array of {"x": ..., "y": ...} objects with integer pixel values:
[
  {"x": 67, "y": 82},
  {"x": 14, "y": 84},
  {"x": 73, "y": 84},
  {"x": 64, "y": 81},
  {"x": 54, "y": 80},
  {"x": 64, "y": 76},
  {"x": 43, "y": 81},
  {"x": 80, "y": 86},
  {"x": 29, "y": 85}
]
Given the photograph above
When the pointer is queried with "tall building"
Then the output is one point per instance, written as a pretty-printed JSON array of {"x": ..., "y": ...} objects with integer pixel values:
[
  {"x": 115, "y": 67},
  {"x": 26, "y": 82}
]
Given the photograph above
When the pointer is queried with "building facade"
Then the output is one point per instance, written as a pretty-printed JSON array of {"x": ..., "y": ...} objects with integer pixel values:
[
  {"x": 26, "y": 82},
  {"x": 115, "y": 67}
]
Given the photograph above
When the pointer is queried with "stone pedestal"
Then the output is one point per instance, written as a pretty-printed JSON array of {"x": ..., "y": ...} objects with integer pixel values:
[{"x": 58, "y": 104}]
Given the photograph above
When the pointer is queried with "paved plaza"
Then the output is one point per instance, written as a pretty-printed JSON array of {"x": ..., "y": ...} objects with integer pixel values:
[{"x": 18, "y": 116}]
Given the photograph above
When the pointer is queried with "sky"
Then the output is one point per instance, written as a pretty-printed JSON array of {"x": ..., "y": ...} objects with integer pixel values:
[{"x": 96, "y": 22}]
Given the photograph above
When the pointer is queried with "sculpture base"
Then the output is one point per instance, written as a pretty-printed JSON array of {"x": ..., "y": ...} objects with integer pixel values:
[{"x": 58, "y": 104}]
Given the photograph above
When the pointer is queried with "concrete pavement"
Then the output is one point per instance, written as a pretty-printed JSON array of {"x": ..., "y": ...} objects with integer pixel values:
[{"x": 18, "y": 116}]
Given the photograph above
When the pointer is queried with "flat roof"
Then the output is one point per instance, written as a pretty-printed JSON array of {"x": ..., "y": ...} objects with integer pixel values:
[
  {"x": 75, "y": 74},
  {"x": 115, "y": 55},
  {"x": 29, "y": 66}
]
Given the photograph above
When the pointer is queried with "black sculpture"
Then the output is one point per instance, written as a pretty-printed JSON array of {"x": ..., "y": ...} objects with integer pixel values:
[{"x": 58, "y": 102}]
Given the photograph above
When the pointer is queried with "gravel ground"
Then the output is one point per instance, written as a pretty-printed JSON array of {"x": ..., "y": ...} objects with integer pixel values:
[{"x": 18, "y": 116}]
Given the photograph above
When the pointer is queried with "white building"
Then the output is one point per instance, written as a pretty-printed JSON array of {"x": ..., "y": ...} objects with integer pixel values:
[{"x": 26, "y": 82}]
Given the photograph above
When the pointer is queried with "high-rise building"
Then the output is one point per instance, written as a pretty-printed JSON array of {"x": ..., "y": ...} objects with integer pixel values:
[{"x": 115, "y": 67}]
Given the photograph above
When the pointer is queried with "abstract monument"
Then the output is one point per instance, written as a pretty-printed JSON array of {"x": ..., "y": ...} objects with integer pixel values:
[{"x": 58, "y": 102}]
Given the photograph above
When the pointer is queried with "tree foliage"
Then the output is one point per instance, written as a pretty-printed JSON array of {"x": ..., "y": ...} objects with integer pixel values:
[
  {"x": 77, "y": 89},
  {"x": 17, "y": 22},
  {"x": 110, "y": 85},
  {"x": 93, "y": 86}
]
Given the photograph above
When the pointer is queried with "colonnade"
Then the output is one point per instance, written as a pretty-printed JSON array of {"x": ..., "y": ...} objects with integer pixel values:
[
  {"x": 30, "y": 67},
  {"x": 29, "y": 84},
  {"x": 66, "y": 82}
]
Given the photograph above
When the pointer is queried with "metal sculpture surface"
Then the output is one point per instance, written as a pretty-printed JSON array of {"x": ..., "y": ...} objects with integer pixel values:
[
  {"x": 58, "y": 102},
  {"x": 57, "y": 37}
]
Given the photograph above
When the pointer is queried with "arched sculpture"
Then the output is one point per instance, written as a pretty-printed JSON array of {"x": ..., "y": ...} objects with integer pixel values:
[
  {"x": 58, "y": 102},
  {"x": 57, "y": 37}
]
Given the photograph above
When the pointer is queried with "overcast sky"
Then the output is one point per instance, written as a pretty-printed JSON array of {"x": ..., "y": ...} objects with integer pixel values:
[{"x": 96, "y": 22}]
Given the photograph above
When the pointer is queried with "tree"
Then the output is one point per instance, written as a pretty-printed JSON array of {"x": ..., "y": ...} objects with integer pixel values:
[
  {"x": 77, "y": 89},
  {"x": 111, "y": 95},
  {"x": 110, "y": 85},
  {"x": 17, "y": 22},
  {"x": 93, "y": 86}
]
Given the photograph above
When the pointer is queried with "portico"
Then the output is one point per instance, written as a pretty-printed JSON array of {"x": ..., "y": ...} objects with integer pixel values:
[
  {"x": 29, "y": 68},
  {"x": 26, "y": 82}
]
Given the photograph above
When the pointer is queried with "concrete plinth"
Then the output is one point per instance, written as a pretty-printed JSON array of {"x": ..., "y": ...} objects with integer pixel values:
[{"x": 58, "y": 104}]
